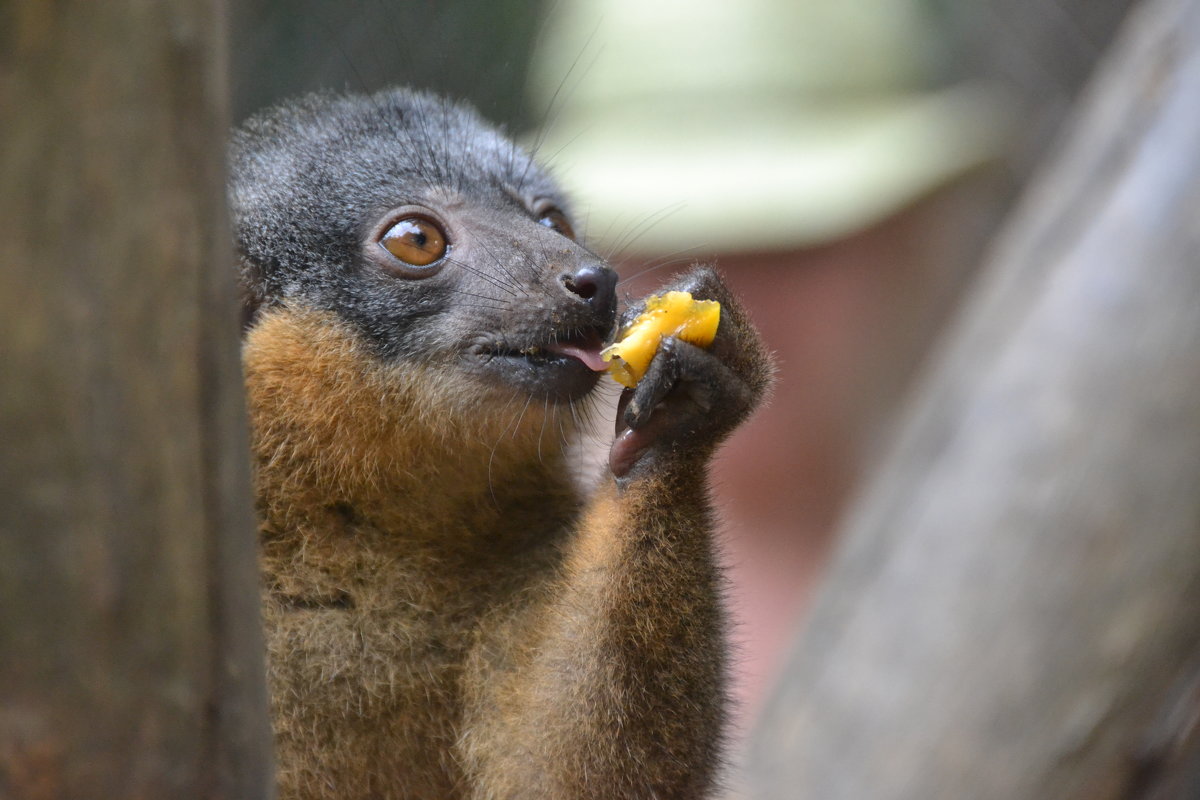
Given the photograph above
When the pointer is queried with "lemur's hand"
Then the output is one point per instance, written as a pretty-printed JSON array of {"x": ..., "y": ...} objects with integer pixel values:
[{"x": 691, "y": 397}]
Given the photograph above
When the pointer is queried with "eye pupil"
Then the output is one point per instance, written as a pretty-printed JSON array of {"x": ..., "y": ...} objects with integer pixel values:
[{"x": 415, "y": 240}]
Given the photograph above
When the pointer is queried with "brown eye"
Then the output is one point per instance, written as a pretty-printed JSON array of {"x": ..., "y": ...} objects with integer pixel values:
[
  {"x": 415, "y": 240},
  {"x": 556, "y": 220}
]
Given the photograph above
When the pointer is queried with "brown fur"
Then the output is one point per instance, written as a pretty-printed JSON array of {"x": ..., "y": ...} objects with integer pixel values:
[{"x": 446, "y": 616}]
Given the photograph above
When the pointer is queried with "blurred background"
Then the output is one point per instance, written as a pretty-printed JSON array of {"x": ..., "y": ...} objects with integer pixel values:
[{"x": 844, "y": 163}]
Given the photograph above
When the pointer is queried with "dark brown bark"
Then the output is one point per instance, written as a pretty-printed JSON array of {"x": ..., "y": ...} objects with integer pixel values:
[
  {"x": 130, "y": 649},
  {"x": 1015, "y": 611}
]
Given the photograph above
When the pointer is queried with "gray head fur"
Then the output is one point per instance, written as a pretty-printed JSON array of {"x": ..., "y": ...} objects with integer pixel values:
[{"x": 313, "y": 181}]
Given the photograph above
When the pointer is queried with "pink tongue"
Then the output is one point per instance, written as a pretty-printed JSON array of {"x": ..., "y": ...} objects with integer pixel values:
[{"x": 590, "y": 356}]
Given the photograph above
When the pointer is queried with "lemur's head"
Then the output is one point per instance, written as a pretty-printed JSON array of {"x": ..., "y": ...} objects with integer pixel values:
[{"x": 429, "y": 232}]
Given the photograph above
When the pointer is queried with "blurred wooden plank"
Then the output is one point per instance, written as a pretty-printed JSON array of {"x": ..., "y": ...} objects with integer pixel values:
[
  {"x": 1017, "y": 603},
  {"x": 1040, "y": 53},
  {"x": 130, "y": 652}
]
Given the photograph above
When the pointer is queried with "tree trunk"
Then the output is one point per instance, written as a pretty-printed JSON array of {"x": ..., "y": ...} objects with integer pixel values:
[
  {"x": 130, "y": 649},
  {"x": 1015, "y": 611}
]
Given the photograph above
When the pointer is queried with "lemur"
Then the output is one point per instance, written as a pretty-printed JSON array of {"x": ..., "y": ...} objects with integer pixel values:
[{"x": 448, "y": 613}]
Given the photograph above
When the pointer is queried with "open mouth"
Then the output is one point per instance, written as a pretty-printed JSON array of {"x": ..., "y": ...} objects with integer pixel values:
[
  {"x": 563, "y": 368},
  {"x": 584, "y": 349}
]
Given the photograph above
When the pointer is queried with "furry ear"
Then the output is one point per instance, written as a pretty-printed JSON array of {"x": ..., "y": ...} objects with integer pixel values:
[
  {"x": 250, "y": 306},
  {"x": 251, "y": 295}
]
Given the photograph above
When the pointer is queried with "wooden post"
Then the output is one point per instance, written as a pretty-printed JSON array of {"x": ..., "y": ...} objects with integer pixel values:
[
  {"x": 1015, "y": 612},
  {"x": 130, "y": 648}
]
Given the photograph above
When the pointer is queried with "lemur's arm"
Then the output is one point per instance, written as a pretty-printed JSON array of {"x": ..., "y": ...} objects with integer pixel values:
[{"x": 618, "y": 690}]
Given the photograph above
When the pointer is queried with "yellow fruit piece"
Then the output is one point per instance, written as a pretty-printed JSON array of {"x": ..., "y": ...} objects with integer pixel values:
[{"x": 671, "y": 314}]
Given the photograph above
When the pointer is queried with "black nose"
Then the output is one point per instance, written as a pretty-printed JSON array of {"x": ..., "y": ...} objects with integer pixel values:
[{"x": 596, "y": 285}]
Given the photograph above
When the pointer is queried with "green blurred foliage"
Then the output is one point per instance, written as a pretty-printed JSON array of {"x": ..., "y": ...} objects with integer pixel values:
[{"x": 476, "y": 50}]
